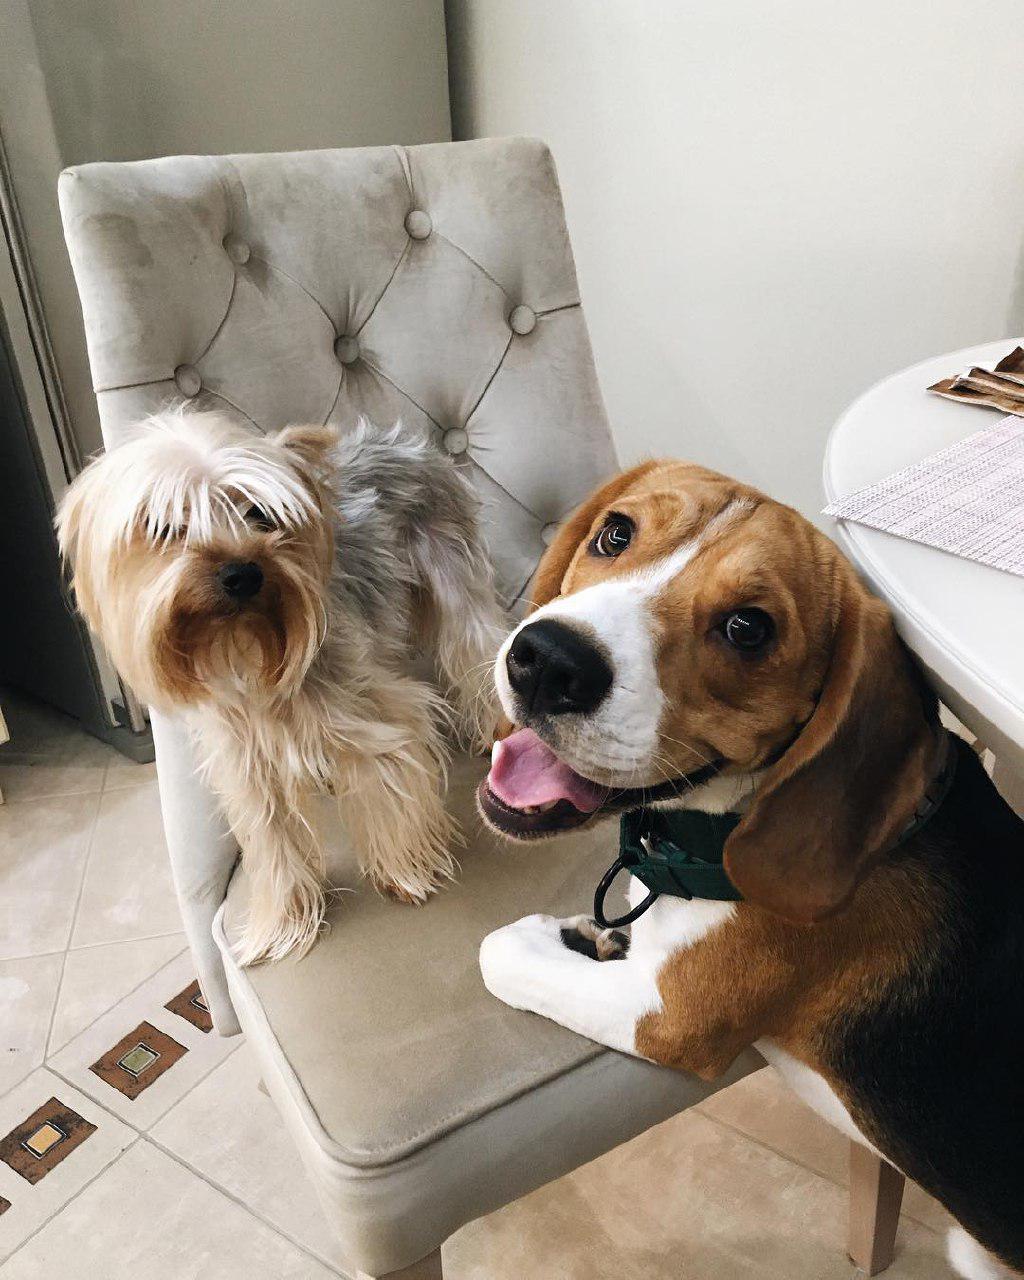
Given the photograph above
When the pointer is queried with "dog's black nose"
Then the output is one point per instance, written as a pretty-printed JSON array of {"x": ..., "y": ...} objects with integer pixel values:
[
  {"x": 240, "y": 579},
  {"x": 554, "y": 669}
]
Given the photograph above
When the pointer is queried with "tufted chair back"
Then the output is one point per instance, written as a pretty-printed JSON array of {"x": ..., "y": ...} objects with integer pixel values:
[{"x": 431, "y": 284}]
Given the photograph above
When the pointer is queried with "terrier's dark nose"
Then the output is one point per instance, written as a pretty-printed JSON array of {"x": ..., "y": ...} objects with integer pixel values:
[
  {"x": 555, "y": 669},
  {"x": 240, "y": 579}
]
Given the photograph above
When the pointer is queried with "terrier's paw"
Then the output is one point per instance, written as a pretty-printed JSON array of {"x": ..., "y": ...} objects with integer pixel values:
[
  {"x": 273, "y": 931},
  {"x": 585, "y": 935},
  {"x": 406, "y": 892}
]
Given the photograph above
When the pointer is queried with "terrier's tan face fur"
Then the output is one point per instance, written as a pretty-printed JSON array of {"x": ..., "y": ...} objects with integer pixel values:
[{"x": 152, "y": 531}]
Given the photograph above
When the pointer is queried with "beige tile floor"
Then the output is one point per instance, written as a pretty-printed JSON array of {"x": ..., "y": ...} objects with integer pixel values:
[{"x": 197, "y": 1177}]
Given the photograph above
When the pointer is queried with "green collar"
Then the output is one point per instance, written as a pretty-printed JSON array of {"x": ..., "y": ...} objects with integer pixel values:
[{"x": 679, "y": 852}]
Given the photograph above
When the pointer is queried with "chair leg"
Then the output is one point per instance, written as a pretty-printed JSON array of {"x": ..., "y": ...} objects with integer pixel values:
[
  {"x": 1010, "y": 784},
  {"x": 426, "y": 1269},
  {"x": 876, "y": 1193}
]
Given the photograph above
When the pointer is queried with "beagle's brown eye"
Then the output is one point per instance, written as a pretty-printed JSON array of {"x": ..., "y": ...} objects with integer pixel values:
[
  {"x": 748, "y": 630},
  {"x": 614, "y": 537}
]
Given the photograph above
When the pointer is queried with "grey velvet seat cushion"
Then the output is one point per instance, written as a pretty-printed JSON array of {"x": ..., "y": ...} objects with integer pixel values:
[
  {"x": 418, "y": 1100},
  {"x": 391, "y": 998}
]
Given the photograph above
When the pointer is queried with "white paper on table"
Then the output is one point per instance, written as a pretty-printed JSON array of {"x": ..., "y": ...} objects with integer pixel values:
[{"x": 967, "y": 499}]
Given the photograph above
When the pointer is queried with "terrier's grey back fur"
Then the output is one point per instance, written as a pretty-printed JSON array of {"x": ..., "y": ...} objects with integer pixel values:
[{"x": 403, "y": 510}]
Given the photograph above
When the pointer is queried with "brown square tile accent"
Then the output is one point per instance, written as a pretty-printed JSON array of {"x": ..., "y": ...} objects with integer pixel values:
[
  {"x": 190, "y": 1005},
  {"x": 136, "y": 1061},
  {"x": 42, "y": 1141},
  {"x": 4, "y": 1206}
]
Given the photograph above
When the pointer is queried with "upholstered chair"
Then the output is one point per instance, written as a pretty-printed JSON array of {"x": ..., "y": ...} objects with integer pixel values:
[{"x": 434, "y": 285}]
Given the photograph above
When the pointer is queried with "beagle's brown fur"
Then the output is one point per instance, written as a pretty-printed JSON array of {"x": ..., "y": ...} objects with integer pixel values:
[{"x": 891, "y": 970}]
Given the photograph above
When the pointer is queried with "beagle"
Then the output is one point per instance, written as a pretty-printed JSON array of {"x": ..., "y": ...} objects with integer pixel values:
[{"x": 696, "y": 648}]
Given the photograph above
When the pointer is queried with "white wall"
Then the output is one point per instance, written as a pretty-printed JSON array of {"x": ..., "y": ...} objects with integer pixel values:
[
  {"x": 135, "y": 78},
  {"x": 127, "y": 79},
  {"x": 772, "y": 205}
]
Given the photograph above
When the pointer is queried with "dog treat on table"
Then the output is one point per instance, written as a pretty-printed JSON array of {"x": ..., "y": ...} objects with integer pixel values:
[
  {"x": 1013, "y": 363},
  {"x": 1012, "y": 366},
  {"x": 1001, "y": 388}
]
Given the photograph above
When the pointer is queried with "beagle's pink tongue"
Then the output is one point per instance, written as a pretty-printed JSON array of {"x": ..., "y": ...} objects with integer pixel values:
[{"x": 526, "y": 773}]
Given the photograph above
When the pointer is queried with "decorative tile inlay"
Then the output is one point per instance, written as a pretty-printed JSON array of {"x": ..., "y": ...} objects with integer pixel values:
[
  {"x": 135, "y": 1062},
  {"x": 4, "y": 1206},
  {"x": 190, "y": 1005},
  {"x": 42, "y": 1141}
]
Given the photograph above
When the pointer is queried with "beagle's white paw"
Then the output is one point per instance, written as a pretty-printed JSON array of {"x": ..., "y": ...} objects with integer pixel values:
[{"x": 511, "y": 957}]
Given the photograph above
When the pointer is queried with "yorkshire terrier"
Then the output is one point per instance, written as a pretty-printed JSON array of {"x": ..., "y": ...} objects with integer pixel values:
[{"x": 274, "y": 589}]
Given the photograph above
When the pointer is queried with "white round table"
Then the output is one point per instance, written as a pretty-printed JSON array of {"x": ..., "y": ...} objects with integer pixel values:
[{"x": 964, "y": 620}]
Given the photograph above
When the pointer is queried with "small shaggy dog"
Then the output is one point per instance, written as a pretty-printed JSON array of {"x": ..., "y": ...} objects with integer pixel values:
[{"x": 274, "y": 589}]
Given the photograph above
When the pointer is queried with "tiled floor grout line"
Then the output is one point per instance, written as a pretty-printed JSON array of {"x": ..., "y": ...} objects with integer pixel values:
[
  {"x": 16, "y": 756},
  {"x": 775, "y": 1151},
  {"x": 145, "y": 1135},
  {"x": 102, "y": 1105},
  {"x": 64, "y": 953},
  {"x": 10, "y": 801},
  {"x": 18, "y": 1083},
  {"x": 86, "y": 863},
  {"x": 61, "y": 1207},
  {"x": 192, "y": 1087},
  {"x": 71, "y": 927},
  {"x": 101, "y": 790},
  {"x": 11, "y": 1087},
  {"x": 196, "y": 1083},
  {"x": 124, "y": 942},
  {"x": 10, "y": 755},
  {"x": 33, "y": 955},
  {"x": 225, "y": 1191},
  {"x": 91, "y": 946},
  {"x": 103, "y": 1013},
  {"x": 800, "y": 1164},
  {"x": 128, "y": 784}
]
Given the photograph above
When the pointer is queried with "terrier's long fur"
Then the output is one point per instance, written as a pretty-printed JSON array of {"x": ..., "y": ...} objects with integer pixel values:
[{"x": 364, "y": 548}]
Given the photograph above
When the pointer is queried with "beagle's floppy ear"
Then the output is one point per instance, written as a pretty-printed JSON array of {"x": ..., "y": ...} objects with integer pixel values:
[
  {"x": 547, "y": 581},
  {"x": 847, "y": 787}
]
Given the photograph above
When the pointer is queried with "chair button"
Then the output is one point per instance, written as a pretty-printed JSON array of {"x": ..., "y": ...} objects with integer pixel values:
[
  {"x": 187, "y": 380},
  {"x": 455, "y": 441},
  {"x": 418, "y": 224},
  {"x": 523, "y": 320},
  {"x": 347, "y": 349},
  {"x": 237, "y": 249},
  {"x": 547, "y": 534}
]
